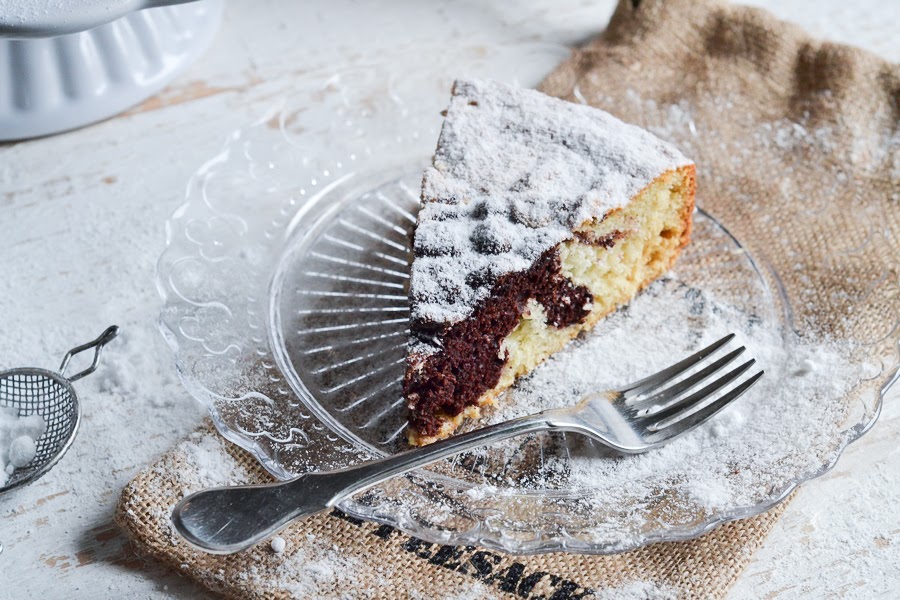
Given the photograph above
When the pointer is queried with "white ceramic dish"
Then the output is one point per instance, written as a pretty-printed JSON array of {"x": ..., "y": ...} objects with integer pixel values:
[{"x": 52, "y": 84}]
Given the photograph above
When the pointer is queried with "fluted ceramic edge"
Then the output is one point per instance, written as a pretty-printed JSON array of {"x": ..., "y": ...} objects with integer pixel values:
[{"x": 50, "y": 85}]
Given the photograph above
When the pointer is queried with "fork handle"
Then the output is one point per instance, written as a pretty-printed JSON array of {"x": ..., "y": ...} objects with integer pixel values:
[
  {"x": 229, "y": 519},
  {"x": 371, "y": 473}
]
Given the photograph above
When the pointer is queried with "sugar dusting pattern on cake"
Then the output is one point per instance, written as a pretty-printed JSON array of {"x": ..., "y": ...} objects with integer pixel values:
[{"x": 514, "y": 172}]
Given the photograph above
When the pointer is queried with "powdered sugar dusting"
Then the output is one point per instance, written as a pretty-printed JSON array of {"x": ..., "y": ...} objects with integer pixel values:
[
  {"x": 640, "y": 590},
  {"x": 317, "y": 566},
  {"x": 785, "y": 428},
  {"x": 513, "y": 173},
  {"x": 211, "y": 467}
]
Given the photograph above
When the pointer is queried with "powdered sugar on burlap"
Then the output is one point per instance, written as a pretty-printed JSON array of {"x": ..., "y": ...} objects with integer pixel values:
[{"x": 514, "y": 172}]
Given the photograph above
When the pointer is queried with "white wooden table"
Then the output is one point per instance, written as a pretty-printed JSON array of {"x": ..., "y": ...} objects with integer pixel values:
[{"x": 81, "y": 226}]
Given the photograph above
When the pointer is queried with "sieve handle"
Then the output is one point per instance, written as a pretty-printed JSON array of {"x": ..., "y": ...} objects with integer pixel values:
[{"x": 105, "y": 337}]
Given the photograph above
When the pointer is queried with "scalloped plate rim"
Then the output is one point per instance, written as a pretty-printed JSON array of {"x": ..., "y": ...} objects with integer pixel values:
[{"x": 492, "y": 538}]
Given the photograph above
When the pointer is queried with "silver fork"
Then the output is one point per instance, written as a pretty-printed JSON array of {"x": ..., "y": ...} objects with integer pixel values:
[{"x": 633, "y": 419}]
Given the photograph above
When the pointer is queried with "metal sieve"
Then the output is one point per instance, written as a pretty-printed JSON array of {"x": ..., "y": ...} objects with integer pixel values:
[{"x": 51, "y": 395}]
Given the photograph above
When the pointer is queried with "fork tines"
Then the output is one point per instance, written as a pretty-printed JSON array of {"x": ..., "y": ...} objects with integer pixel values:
[{"x": 662, "y": 404}]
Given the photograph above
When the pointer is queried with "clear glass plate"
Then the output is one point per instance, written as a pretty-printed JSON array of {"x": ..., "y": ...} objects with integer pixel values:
[{"x": 285, "y": 302}]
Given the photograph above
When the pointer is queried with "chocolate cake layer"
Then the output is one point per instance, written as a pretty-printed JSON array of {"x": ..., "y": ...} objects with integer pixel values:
[{"x": 471, "y": 360}]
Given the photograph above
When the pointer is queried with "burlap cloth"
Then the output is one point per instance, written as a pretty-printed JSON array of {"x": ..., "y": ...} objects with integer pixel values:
[{"x": 774, "y": 120}]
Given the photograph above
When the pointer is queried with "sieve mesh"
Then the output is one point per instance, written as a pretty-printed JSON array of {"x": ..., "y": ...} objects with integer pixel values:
[{"x": 36, "y": 391}]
